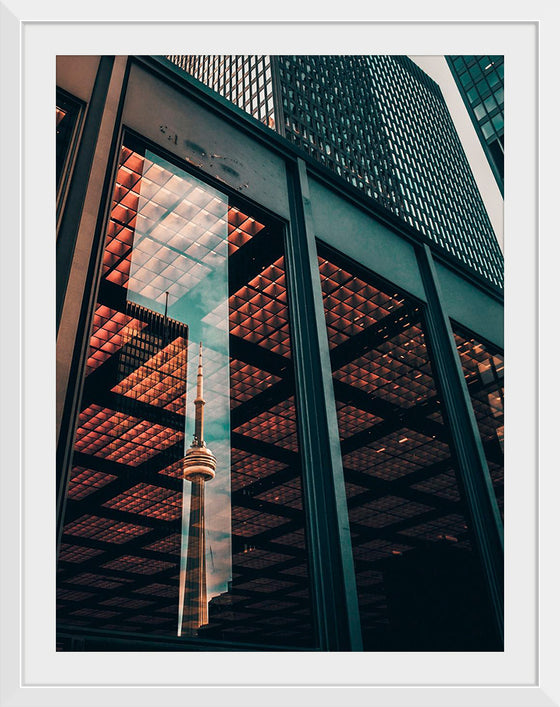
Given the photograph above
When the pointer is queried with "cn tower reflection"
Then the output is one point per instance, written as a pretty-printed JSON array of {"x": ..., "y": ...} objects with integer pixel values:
[{"x": 199, "y": 467}]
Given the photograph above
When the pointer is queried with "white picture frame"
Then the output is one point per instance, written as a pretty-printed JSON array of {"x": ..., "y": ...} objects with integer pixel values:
[{"x": 32, "y": 672}]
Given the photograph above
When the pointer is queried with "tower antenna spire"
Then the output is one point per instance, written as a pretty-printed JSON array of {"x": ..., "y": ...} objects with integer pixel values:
[
  {"x": 199, "y": 404},
  {"x": 199, "y": 466}
]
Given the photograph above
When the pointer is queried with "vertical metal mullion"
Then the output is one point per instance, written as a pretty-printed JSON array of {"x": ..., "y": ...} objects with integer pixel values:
[
  {"x": 277, "y": 98},
  {"x": 474, "y": 476},
  {"x": 70, "y": 220},
  {"x": 328, "y": 533},
  {"x": 73, "y": 393}
]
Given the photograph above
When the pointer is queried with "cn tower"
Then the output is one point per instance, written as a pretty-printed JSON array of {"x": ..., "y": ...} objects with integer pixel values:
[{"x": 199, "y": 466}]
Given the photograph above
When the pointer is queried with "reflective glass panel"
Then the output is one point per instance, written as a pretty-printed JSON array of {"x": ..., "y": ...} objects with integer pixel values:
[
  {"x": 185, "y": 512},
  {"x": 483, "y": 366},
  {"x": 418, "y": 579}
]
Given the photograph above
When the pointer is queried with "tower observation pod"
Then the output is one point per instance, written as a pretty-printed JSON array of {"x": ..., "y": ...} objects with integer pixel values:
[{"x": 199, "y": 466}]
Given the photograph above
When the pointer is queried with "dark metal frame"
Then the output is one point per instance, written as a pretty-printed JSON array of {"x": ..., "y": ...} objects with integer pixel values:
[
  {"x": 336, "y": 601},
  {"x": 472, "y": 468},
  {"x": 80, "y": 179},
  {"x": 78, "y": 106}
]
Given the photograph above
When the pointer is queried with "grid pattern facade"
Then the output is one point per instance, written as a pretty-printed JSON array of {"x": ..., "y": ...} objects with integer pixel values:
[
  {"x": 119, "y": 561},
  {"x": 407, "y": 515},
  {"x": 380, "y": 123},
  {"x": 326, "y": 113},
  {"x": 244, "y": 80},
  {"x": 481, "y": 83}
]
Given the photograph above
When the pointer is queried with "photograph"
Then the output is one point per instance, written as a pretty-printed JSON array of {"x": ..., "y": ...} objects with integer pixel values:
[
  {"x": 276, "y": 411},
  {"x": 280, "y": 422}
]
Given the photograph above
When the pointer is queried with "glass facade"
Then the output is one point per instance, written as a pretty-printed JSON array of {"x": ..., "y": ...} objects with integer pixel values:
[
  {"x": 480, "y": 80},
  {"x": 419, "y": 583},
  {"x": 380, "y": 123},
  {"x": 213, "y": 493},
  {"x": 183, "y": 265},
  {"x": 245, "y": 80}
]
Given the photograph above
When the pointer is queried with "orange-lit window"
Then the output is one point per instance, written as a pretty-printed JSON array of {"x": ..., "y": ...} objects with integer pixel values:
[
  {"x": 418, "y": 580},
  {"x": 184, "y": 264},
  {"x": 483, "y": 367}
]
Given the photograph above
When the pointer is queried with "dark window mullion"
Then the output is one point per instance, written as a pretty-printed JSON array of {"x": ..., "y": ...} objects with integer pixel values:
[
  {"x": 474, "y": 477},
  {"x": 332, "y": 571}
]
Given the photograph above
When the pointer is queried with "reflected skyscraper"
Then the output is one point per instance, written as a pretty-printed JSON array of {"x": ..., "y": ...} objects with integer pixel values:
[{"x": 199, "y": 466}]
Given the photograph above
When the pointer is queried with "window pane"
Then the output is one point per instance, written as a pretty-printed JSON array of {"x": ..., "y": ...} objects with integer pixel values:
[
  {"x": 419, "y": 583},
  {"x": 459, "y": 63},
  {"x": 487, "y": 129},
  {"x": 483, "y": 367},
  {"x": 476, "y": 71},
  {"x": 473, "y": 94},
  {"x": 493, "y": 78},
  {"x": 67, "y": 111},
  {"x": 213, "y": 547},
  {"x": 490, "y": 104},
  {"x": 500, "y": 97},
  {"x": 479, "y": 111},
  {"x": 498, "y": 122}
]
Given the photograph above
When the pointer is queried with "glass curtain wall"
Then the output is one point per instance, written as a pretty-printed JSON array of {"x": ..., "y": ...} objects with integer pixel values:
[
  {"x": 418, "y": 579},
  {"x": 185, "y": 515},
  {"x": 189, "y": 354}
]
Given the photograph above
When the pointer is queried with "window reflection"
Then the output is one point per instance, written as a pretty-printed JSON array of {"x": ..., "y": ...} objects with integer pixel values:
[
  {"x": 419, "y": 585},
  {"x": 483, "y": 367},
  {"x": 183, "y": 265},
  {"x": 67, "y": 111}
]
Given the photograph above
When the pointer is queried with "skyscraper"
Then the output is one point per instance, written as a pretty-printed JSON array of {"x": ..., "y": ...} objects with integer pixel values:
[
  {"x": 380, "y": 123},
  {"x": 480, "y": 80}
]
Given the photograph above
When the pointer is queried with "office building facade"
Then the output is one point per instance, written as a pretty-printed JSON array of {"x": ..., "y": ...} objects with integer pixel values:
[
  {"x": 378, "y": 122},
  {"x": 353, "y": 392},
  {"x": 480, "y": 80}
]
